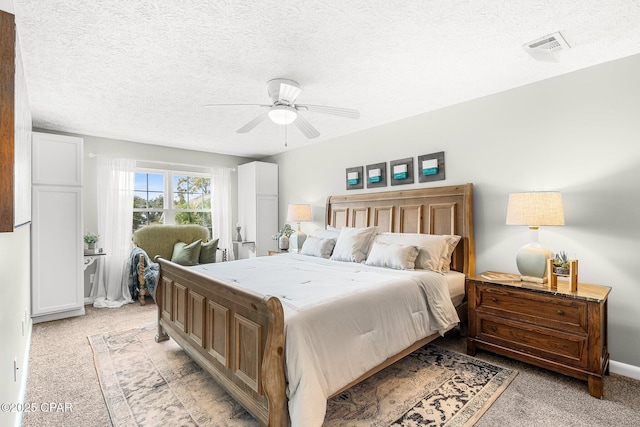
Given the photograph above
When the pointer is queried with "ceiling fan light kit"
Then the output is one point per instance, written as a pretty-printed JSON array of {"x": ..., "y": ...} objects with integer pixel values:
[
  {"x": 284, "y": 110},
  {"x": 282, "y": 114}
]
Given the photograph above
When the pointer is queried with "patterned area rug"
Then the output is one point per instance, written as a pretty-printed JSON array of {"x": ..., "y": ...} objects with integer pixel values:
[{"x": 150, "y": 384}]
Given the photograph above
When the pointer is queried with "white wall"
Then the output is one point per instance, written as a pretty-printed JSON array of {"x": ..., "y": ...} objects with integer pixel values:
[
  {"x": 142, "y": 152},
  {"x": 15, "y": 317},
  {"x": 578, "y": 133},
  {"x": 133, "y": 150},
  {"x": 6, "y": 5},
  {"x": 15, "y": 296}
]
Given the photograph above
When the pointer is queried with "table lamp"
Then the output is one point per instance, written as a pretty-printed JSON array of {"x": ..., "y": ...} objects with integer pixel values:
[
  {"x": 534, "y": 209},
  {"x": 298, "y": 214}
]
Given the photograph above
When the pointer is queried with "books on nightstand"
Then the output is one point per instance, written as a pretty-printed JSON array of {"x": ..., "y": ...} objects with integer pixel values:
[{"x": 496, "y": 276}]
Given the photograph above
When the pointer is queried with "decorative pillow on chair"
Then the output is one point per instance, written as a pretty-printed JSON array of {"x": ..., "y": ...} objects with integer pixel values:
[
  {"x": 315, "y": 246},
  {"x": 398, "y": 257},
  {"x": 208, "y": 251},
  {"x": 353, "y": 244},
  {"x": 184, "y": 254}
]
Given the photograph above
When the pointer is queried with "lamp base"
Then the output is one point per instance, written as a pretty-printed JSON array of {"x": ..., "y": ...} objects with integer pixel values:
[
  {"x": 532, "y": 262},
  {"x": 296, "y": 240}
]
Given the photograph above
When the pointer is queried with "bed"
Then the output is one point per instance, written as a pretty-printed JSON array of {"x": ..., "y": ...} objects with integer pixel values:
[{"x": 237, "y": 333}]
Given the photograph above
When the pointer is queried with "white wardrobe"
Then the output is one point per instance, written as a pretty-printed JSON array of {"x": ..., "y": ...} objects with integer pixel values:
[
  {"x": 257, "y": 208},
  {"x": 57, "y": 282}
]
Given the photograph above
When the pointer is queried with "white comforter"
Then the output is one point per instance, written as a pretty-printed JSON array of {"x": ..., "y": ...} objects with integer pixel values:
[{"x": 341, "y": 319}]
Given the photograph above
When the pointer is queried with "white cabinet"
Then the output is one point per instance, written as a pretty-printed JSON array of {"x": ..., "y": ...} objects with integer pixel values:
[
  {"x": 57, "y": 287},
  {"x": 258, "y": 207}
]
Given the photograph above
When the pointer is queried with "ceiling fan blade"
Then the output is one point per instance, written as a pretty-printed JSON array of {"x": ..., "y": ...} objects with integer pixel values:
[
  {"x": 236, "y": 105},
  {"x": 336, "y": 111},
  {"x": 253, "y": 123},
  {"x": 288, "y": 93},
  {"x": 306, "y": 128}
]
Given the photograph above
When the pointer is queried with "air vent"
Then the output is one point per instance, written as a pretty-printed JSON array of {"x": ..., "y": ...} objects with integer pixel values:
[{"x": 546, "y": 47}]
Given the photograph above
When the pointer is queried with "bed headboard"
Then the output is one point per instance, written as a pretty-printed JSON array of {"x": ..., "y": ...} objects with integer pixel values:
[{"x": 436, "y": 210}]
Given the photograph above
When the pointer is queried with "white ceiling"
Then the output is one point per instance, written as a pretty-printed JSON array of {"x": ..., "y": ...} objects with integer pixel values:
[{"x": 142, "y": 70}]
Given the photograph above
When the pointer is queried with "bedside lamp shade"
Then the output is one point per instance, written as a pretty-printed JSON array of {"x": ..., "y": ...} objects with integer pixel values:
[
  {"x": 298, "y": 214},
  {"x": 534, "y": 209}
]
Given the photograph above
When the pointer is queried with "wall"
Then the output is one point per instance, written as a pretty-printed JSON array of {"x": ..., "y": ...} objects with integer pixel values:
[
  {"x": 125, "y": 149},
  {"x": 169, "y": 158},
  {"x": 15, "y": 273},
  {"x": 578, "y": 134},
  {"x": 133, "y": 150},
  {"x": 15, "y": 318}
]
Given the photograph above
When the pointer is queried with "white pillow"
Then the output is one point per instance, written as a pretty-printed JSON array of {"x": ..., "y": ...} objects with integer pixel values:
[
  {"x": 315, "y": 246},
  {"x": 434, "y": 250},
  {"x": 398, "y": 257},
  {"x": 329, "y": 233},
  {"x": 353, "y": 244}
]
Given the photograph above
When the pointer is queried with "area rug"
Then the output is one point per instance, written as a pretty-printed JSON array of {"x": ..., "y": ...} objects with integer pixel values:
[{"x": 149, "y": 384}]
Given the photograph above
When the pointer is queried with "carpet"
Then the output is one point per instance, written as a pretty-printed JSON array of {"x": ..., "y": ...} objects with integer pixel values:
[{"x": 149, "y": 384}]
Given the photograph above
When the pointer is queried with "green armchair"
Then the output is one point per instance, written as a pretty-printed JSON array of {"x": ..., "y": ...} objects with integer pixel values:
[{"x": 159, "y": 240}]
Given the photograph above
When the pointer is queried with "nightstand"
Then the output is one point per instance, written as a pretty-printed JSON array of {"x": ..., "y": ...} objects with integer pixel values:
[
  {"x": 277, "y": 252},
  {"x": 555, "y": 329}
]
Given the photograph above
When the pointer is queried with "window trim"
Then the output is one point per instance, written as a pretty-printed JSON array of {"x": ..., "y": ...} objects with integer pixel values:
[{"x": 168, "y": 210}]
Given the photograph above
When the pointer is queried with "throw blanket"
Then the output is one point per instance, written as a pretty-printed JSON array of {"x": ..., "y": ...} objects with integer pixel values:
[{"x": 151, "y": 272}]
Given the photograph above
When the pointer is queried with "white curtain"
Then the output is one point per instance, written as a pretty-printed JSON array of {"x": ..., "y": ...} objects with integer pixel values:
[
  {"x": 115, "y": 217},
  {"x": 221, "y": 209}
]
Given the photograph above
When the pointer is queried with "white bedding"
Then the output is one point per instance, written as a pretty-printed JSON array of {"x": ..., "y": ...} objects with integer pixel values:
[
  {"x": 341, "y": 318},
  {"x": 455, "y": 282}
]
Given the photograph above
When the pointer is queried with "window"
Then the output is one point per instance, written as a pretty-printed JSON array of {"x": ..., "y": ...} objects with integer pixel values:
[{"x": 170, "y": 197}]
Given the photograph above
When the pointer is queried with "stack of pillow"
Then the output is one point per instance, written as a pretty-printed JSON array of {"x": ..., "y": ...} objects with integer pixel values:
[
  {"x": 401, "y": 251},
  {"x": 195, "y": 253}
]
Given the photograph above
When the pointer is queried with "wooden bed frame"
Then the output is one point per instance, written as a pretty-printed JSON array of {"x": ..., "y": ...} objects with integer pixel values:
[{"x": 237, "y": 336}]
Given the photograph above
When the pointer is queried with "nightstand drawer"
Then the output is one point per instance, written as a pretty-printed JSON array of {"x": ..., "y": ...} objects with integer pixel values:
[
  {"x": 565, "y": 348},
  {"x": 560, "y": 313}
]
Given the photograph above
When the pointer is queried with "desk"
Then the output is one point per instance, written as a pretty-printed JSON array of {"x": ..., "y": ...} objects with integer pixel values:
[
  {"x": 244, "y": 249},
  {"x": 91, "y": 258}
]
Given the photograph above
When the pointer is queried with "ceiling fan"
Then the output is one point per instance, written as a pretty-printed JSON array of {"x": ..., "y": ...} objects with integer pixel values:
[{"x": 284, "y": 110}]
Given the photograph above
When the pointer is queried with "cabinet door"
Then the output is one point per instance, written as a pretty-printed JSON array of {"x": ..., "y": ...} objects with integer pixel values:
[
  {"x": 57, "y": 159},
  {"x": 57, "y": 253},
  {"x": 266, "y": 224}
]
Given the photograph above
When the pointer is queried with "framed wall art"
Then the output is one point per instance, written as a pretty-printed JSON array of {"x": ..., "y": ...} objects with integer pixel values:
[
  {"x": 401, "y": 171},
  {"x": 431, "y": 167},
  {"x": 354, "y": 178},
  {"x": 377, "y": 175}
]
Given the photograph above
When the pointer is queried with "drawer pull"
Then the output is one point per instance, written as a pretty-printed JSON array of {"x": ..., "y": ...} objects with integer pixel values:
[
  {"x": 560, "y": 312},
  {"x": 493, "y": 299},
  {"x": 494, "y": 329}
]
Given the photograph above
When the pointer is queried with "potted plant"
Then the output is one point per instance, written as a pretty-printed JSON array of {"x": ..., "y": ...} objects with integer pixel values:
[
  {"x": 283, "y": 237},
  {"x": 561, "y": 263},
  {"x": 91, "y": 239}
]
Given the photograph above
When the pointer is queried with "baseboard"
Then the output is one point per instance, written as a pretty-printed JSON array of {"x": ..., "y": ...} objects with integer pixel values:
[
  {"x": 59, "y": 315},
  {"x": 25, "y": 374},
  {"x": 624, "y": 369}
]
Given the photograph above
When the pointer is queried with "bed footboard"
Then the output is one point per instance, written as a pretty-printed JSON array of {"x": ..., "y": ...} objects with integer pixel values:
[{"x": 235, "y": 335}]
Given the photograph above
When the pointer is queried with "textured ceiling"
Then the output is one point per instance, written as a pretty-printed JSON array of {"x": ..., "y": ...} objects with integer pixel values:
[{"x": 142, "y": 70}]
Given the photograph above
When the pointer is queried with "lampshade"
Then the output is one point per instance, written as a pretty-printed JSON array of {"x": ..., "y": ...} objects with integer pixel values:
[
  {"x": 533, "y": 210},
  {"x": 282, "y": 114},
  {"x": 299, "y": 213}
]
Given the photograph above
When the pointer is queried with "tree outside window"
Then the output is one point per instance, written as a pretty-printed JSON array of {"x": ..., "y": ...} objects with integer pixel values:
[
  {"x": 192, "y": 200},
  {"x": 189, "y": 193}
]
